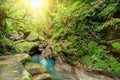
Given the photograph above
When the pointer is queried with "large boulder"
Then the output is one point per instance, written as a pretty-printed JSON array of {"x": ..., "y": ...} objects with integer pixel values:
[
  {"x": 11, "y": 67},
  {"x": 116, "y": 46},
  {"x": 26, "y": 46},
  {"x": 65, "y": 71},
  {"x": 32, "y": 36},
  {"x": 13, "y": 71},
  {"x": 15, "y": 58},
  {"x": 35, "y": 68}
]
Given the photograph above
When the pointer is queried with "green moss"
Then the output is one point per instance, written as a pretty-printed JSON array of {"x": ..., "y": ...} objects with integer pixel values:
[
  {"x": 26, "y": 60},
  {"x": 32, "y": 36},
  {"x": 114, "y": 66},
  {"x": 29, "y": 77},
  {"x": 26, "y": 46},
  {"x": 116, "y": 45},
  {"x": 6, "y": 43}
]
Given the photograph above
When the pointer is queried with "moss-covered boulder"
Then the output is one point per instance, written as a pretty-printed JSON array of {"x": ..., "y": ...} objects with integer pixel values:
[
  {"x": 16, "y": 57},
  {"x": 26, "y": 46},
  {"x": 7, "y": 46},
  {"x": 35, "y": 68},
  {"x": 32, "y": 36},
  {"x": 116, "y": 46},
  {"x": 41, "y": 38},
  {"x": 116, "y": 49}
]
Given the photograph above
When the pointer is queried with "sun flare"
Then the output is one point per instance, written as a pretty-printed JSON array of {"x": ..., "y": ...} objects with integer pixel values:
[{"x": 37, "y": 3}]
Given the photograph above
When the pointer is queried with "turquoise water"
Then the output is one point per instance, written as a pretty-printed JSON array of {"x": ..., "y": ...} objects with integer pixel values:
[{"x": 49, "y": 64}]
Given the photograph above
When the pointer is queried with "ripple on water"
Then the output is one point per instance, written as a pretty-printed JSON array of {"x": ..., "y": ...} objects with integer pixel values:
[{"x": 48, "y": 63}]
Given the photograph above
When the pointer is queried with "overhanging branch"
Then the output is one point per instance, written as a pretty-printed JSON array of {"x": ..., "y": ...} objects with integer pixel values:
[{"x": 20, "y": 20}]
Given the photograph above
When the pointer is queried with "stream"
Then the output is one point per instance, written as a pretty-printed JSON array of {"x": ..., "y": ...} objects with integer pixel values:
[
  {"x": 49, "y": 64},
  {"x": 64, "y": 71}
]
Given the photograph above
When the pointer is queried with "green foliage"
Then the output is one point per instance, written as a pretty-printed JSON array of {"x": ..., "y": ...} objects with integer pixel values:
[
  {"x": 80, "y": 24},
  {"x": 112, "y": 23},
  {"x": 9, "y": 27},
  {"x": 114, "y": 66},
  {"x": 108, "y": 12},
  {"x": 75, "y": 27},
  {"x": 94, "y": 54},
  {"x": 87, "y": 1},
  {"x": 8, "y": 45},
  {"x": 6, "y": 28},
  {"x": 15, "y": 15}
]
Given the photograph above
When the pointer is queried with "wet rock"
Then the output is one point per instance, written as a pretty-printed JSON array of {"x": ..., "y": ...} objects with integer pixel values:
[
  {"x": 26, "y": 46},
  {"x": 63, "y": 68},
  {"x": 13, "y": 71},
  {"x": 11, "y": 67},
  {"x": 83, "y": 75},
  {"x": 32, "y": 36},
  {"x": 35, "y": 68},
  {"x": 46, "y": 50},
  {"x": 15, "y": 58},
  {"x": 44, "y": 76},
  {"x": 42, "y": 46},
  {"x": 68, "y": 72},
  {"x": 43, "y": 50}
]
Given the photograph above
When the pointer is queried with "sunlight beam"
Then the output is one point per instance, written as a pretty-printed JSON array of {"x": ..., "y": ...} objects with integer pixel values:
[{"x": 37, "y": 4}]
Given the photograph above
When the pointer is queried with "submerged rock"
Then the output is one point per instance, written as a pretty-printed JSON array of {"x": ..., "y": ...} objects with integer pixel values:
[
  {"x": 35, "y": 68},
  {"x": 48, "y": 63}
]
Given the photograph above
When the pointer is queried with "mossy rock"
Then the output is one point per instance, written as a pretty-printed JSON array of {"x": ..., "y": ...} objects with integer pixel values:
[
  {"x": 41, "y": 38},
  {"x": 16, "y": 57},
  {"x": 13, "y": 71},
  {"x": 26, "y": 46},
  {"x": 116, "y": 49},
  {"x": 32, "y": 36},
  {"x": 35, "y": 68},
  {"x": 8, "y": 45},
  {"x": 116, "y": 45}
]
